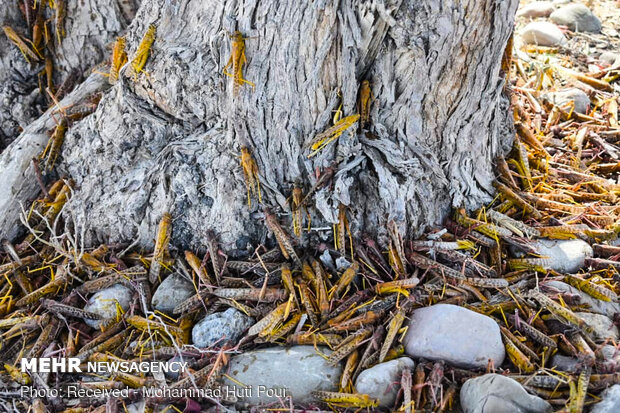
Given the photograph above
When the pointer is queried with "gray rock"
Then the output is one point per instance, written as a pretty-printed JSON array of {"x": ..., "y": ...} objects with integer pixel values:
[
  {"x": 280, "y": 372},
  {"x": 139, "y": 407},
  {"x": 579, "y": 97},
  {"x": 603, "y": 326},
  {"x": 565, "y": 363},
  {"x": 378, "y": 381},
  {"x": 494, "y": 393},
  {"x": 610, "y": 402},
  {"x": 454, "y": 334},
  {"x": 536, "y": 9},
  {"x": 104, "y": 303},
  {"x": 609, "y": 57},
  {"x": 567, "y": 256},
  {"x": 174, "y": 375},
  {"x": 608, "y": 359},
  {"x": 543, "y": 34},
  {"x": 576, "y": 17},
  {"x": 173, "y": 290},
  {"x": 219, "y": 328},
  {"x": 607, "y": 308}
]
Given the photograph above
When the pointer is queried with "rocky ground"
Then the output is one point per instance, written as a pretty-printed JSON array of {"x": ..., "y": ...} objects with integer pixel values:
[{"x": 511, "y": 308}]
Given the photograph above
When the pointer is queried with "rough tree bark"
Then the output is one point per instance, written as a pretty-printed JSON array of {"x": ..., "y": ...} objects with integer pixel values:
[
  {"x": 89, "y": 27},
  {"x": 171, "y": 139}
]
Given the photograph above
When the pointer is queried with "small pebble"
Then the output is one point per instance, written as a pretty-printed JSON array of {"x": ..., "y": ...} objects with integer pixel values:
[
  {"x": 543, "y": 34},
  {"x": 173, "y": 290},
  {"x": 577, "y": 17},
  {"x": 277, "y": 373},
  {"x": 579, "y": 98},
  {"x": 104, "y": 303},
  {"x": 378, "y": 381},
  {"x": 565, "y": 363},
  {"x": 219, "y": 328},
  {"x": 494, "y": 393},
  {"x": 454, "y": 334}
]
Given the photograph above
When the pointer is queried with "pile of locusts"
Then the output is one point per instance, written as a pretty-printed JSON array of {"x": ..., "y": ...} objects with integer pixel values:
[{"x": 559, "y": 181}]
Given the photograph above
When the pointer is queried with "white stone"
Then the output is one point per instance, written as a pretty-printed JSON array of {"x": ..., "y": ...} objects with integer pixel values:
[
  {"x": 454, "y": 334},
  {"x": 494, "y": 393},
  {"x": 105, "y": 303},
  {"x": 603, "y": 326},
  {"x": 536, "y": 9},
  {"x": 172, "y": 291},
  {"x": 378, "y": 381},
  {"x": 543, "y": 34},
  {"x": 576, "y": 17},
  {"x": 219, "y": 328},
  {"x": 296, "y": 371}
]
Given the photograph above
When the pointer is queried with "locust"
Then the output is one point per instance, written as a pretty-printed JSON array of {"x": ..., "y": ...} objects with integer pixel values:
[
  {"x": 307, "y": 302},
  {"x": 164, "y": 231},
  {"x": 321, "y": 140},
  {"x": 406, "y": 383},
  {"x": 213, "y": 249},
  {"x": 341, "y": 230},
  {"x": 356, "y": 400},
  {"x": 419, "y": 380},
  {"x": 393, "y": 327},
  {"x": 516, "y": 352},
  {"x": 142, "y": 53},
  {"x": 345, "y": 280},
  {"x": 328, "y": 339},
  {"x": 50, "y": 288},
  {"x": 236, "y": 61},
  {"x": 119, "y": 58},
  {"x": 144, "y": 324},
  {"x": 401, "y": 286},
  {"x": 597, "y": 291},
  {"x": 347, "y": 346},
  {"x": 268, "y": 295},
  {"x": 289, "y": 283},
  {"x": 396, "y": 255},
  {"x": 285, "y": 328},
  {"x": 37, "y": 31},
  {"x": 67, "y": 310},
  {"x": 48, "y": 334},
  {"x": 559, "y": 311},
  {"x": 362, "y": 320},
  {"x": 283, "y": 239},
  {"x": 20, "y": 43},
  {"x": 296, "y": 207},
  {"x": 322, "y": 181},
  {"x": 578, "y": 393},
  {"x": 530, "y": 331},
  {"x": 347, "y": 373},
  {"x": 59, "y": 19},
  {"x": 364, "y": 102},
  {"x": 267, "y": 323},
  {"x": 198, "y": 268},
  {"x": 250, "y": 173}
]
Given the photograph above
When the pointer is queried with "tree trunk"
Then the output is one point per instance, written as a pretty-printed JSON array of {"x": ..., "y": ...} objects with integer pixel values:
[{"x": 171, "y": 139}]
